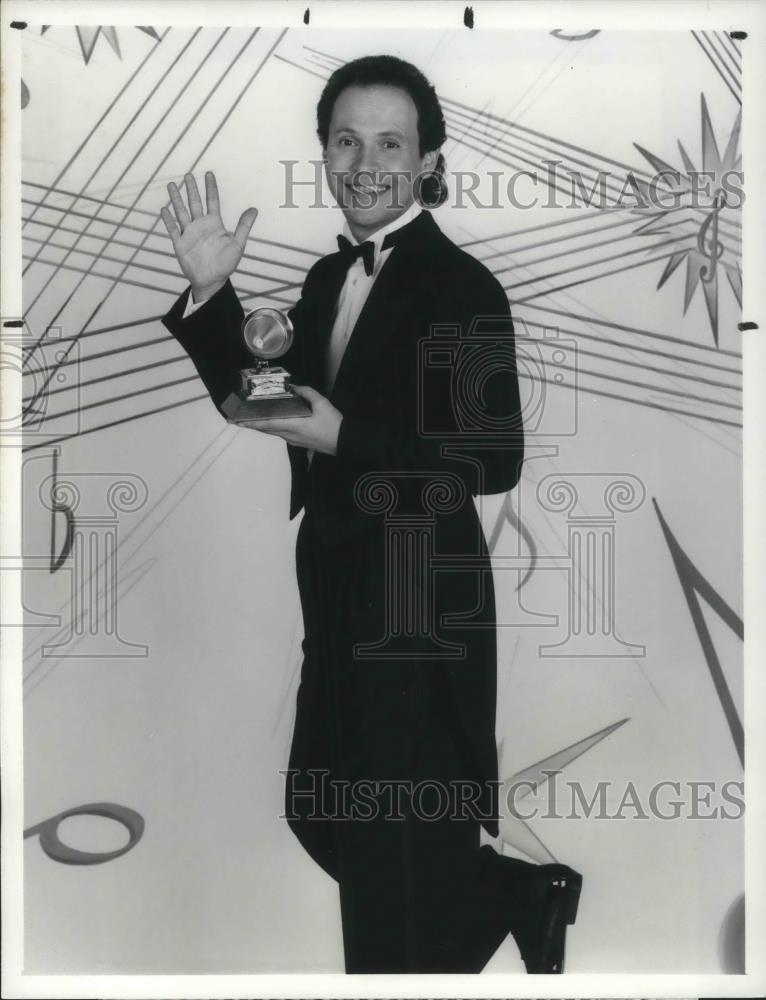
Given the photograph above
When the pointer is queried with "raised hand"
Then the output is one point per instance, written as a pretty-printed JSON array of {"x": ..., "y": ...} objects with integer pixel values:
[{"x": 206, "y": 251}]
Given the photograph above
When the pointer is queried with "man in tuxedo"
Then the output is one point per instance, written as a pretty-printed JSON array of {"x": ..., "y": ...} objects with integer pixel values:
[{"x": 404, "y": 350}]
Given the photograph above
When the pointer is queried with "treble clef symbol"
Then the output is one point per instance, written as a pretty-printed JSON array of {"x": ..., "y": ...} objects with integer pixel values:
[{"x": 713, "y": 249}]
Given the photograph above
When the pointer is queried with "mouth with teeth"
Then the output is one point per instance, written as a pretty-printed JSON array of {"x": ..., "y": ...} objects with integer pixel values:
[{"x": 367, "y": 191}]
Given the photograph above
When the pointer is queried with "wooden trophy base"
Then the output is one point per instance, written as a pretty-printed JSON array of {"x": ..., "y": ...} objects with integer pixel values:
[{"x": 253, "y": 412}]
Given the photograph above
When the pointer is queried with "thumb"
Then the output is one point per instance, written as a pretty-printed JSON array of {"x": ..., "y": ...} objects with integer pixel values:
[
  {"x": 307, "y": 393},
  {"x": 245, "y": 224}
]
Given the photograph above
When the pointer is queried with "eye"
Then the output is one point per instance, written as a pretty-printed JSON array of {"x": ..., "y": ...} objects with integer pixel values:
[
  {"x": 345, "y": 139},
  {"x": 391, "y": 144}
]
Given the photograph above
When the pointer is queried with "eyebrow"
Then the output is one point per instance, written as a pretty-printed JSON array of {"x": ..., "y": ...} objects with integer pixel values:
[{"x": 391, "y": 131}]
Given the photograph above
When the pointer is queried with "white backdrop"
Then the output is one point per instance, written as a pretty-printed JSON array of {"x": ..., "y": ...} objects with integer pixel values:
[{"x": 191, "y": 724}]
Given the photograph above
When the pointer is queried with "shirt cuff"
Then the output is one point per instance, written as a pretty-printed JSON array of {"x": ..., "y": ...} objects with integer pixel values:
[{"x": 191, "y": 305}]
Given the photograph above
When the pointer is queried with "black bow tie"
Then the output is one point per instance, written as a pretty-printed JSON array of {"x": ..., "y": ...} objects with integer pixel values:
[{"x": 351, "y": 252}]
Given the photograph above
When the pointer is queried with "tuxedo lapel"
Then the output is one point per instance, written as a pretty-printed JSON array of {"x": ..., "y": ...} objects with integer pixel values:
[
  {"x": 392, "y": 297},
  {"x": 320, "y": 319}
]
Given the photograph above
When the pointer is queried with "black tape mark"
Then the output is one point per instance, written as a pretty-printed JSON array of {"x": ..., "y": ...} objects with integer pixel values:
[
  {"x": 747, "y": 326},
  {"x": 13, "y": 322},
  {"x": 468, "y": 17},
  {"x": 739, "y": 35},
  {"x": 306, "y": 15},
  {"x": 19, "y": 24}
]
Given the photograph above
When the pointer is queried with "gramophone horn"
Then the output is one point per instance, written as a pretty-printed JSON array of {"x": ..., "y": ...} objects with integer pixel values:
[{"x": 268, "y": 333}]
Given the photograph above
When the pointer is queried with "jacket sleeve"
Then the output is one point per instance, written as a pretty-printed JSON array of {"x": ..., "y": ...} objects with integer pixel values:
[
  {"x": 212, "y": 337},
  {"x": 461, "y": 411}
]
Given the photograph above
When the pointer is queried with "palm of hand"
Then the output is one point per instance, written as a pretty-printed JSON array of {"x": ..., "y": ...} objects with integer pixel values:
[{"x": 206, "y": 252}]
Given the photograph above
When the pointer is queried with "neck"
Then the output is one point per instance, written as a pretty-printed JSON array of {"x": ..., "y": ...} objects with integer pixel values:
[{"x": 362, "y": 233}]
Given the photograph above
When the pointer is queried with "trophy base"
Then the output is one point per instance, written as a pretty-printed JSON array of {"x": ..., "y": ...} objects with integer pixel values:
[{"x": 252, "y": 412}]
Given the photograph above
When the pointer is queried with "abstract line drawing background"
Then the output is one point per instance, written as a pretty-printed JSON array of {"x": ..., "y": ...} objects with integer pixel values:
[{"x": 638, "y": 372}]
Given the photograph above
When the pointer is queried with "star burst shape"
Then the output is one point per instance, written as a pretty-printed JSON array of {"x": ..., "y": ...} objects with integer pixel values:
[
  {"x": 703, "y": 198},
  {"x": 88, "y": 36},
  {"x": 516, "y": 831}
]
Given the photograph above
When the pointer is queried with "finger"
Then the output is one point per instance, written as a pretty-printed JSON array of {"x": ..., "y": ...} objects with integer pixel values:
[
  {"x": 289, "y": 428},
  {"x": 272, "y": 426},
  {"x": 192, "y": 192},
  {"x": 307, "y": 393},
  {"x": 211, "y": 194},
  {"x": 284, "y": 423},
  {"x": 285, "y": 435},
  {"x": 244, "y": 226},
  {"x": 170, "y": 224},
  {"x": 178, "y": 205}
]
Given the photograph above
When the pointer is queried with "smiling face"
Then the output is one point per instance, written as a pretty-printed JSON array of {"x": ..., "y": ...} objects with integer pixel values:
[{"x": 373, "y": 156}]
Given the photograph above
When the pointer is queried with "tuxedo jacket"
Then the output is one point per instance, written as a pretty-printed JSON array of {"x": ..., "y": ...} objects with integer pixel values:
[
  {"x": 427, "y": 383},
  {"x": 429, "y": 396}
]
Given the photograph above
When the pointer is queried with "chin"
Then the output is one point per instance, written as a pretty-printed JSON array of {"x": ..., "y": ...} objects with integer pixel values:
[
  {"x": 376, "y": 216},
  {"x": 369, "y": 216}
]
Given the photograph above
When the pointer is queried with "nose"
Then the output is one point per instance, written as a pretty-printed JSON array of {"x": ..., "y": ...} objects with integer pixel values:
[{"x": 366, "y": 164}]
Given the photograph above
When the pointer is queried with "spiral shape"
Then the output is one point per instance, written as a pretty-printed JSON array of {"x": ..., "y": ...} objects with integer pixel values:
[
  {"x": 624, "y": 495},
  {"x": 127, "y": 495},
  {"x": 58, "y": 494},
  {"x": 375, "y": 494},
  {"x": 556, "y": 494},
  {"x": 444, "y": 495}
]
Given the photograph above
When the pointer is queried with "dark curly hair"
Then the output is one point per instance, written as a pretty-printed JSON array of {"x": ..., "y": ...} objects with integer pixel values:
[{"x": 368, "y": 71}]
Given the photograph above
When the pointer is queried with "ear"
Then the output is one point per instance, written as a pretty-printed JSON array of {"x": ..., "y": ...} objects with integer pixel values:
[{"x": 429, "y": 159}]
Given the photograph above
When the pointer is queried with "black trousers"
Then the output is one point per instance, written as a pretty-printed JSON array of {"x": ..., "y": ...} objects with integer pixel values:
[{"x": 375, "y": 769}]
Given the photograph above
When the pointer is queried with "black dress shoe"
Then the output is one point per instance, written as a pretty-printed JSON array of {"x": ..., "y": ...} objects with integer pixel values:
[{"x": 552, "y": 893}]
